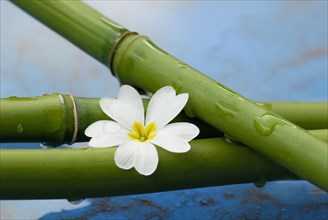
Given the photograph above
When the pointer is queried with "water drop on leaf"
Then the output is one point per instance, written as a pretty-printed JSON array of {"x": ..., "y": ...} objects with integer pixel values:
[
  {"x": 75, "y": 201},
  {"x": 266, "y": 123},
  {"x": 231, "y": 140},
  {"x": 226, "y": 109},
  {"x": 261, "y": 181},
  {"x": 182, "y": 65},
  {"x": 20, "y": 128},
  {"x": 189, "y": 111},
  {"x": 265, "y": 105},
  {"x": 263, "y": 126},
  {"x": 46, "y": 146}
]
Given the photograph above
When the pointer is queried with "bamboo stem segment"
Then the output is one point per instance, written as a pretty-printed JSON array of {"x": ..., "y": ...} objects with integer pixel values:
[
  {"x": 91, "y": 172},
  {"x": 308, "y": 115},
  {"x": 140, "y": 63},
  {"x": 57, "y": 119},
  {"x": 46, "y": 119}
]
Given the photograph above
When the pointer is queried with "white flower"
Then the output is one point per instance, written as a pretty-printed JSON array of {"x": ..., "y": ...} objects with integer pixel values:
[{"x": 135, "y": 134}]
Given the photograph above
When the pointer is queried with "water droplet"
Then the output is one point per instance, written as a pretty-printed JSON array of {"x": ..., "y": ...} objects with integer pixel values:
[
  {"x": 266, "y": 123},
  {"x": 75, "y": 201},
  {"x": 221, "y": 111},
  {"x": 261, "y": 128},
  {"x": 46, "y": 146},
  {"x": 265, "y": 105},
  {"x": 110, "y": 23},
  {"x": 233, "y": 93},
  {"x": 189, "y": 111},
  {"x": 12, "y": 98},
  {"x": 223, "y": 108},
  {"x": 177, "y": 85},
  {"x": 230, "y": 139},
  {"x": 142, "y": 56},
  {"x": 261, "y": 181},
  {"x": 155, "y": 48},
  {"x": 20, "y": 128},
  {"x": 182, "y": 65},
  {"x": 199, "y": 81}
]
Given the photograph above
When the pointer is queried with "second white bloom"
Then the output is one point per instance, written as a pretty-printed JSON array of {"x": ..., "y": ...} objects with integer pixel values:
[{"x": 135, "y": 135}]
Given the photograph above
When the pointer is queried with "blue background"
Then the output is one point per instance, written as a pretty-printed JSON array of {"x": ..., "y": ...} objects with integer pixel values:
[{"x": 265, "y": 50}]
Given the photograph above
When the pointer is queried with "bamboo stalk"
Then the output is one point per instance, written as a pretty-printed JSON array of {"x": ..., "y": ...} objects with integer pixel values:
[
  {"x": 308, "y": 115},
  {"x": 50, "y": 118},
  {"x": 90, "y": 172},
  {"x": 138, "y": 62}
]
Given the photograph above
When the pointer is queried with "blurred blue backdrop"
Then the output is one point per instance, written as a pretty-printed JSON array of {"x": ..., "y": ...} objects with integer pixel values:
[{"x": 265, "y": 50}]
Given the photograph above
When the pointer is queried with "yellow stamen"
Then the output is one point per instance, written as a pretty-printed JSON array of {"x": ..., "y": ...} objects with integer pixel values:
[{"x": 141, "y": 133}]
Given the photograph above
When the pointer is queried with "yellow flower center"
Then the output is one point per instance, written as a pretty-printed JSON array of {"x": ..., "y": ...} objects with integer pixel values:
[{"x": 141, "y": 133}]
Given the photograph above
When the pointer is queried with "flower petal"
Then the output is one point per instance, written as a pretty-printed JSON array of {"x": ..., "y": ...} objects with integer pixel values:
[
  {"x": 125, "y": 155},
  {"x": 127, "y": 109},
  {"x": 164, "y": 106},
  {"x": 102, "y": 127},
  {"x": 147, "y": 158},
  {"x": 175, "y": 137},
  {"x": 110, "y": 140}
]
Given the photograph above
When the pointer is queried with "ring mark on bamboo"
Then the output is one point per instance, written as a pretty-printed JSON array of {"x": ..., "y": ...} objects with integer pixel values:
[
  {"x": 112, "y": 53},
  {"x": 75, "y": 120},
  {"x": 61, "y": 98}
]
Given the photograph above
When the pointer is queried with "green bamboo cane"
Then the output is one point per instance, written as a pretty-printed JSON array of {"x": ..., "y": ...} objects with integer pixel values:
[
  {"x": 138, "y": 62},
  {"x": 57, "y": 119},
  {"x": 91, "y": 172},
  {"x": 308, "y": 115}
]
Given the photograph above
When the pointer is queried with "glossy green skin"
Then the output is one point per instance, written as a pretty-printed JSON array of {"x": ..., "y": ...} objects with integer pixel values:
[
  {"x": 39, "y": 119},
  {"x": 82, "y": 25},
  {"x": 91, "y": 172},
  {"x": 308, "y": 115},
  {"x": 140, "y": 63},
  {"x": 49, "y": 118},
  {"x": 143, "y": 65}
]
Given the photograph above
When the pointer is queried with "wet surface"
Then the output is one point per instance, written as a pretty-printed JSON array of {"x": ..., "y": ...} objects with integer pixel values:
[{"x": 265, "y": 50}]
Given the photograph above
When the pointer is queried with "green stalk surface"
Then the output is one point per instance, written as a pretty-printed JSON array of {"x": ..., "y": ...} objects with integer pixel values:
[
  {"x": 140, "y": 63},
  {"x": 91, "y": 172},
  {"x": 50, "y": 118},
  {"x": 308, "y": 115}
]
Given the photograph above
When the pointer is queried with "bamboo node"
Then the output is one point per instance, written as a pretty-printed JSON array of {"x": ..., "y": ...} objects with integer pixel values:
[
  {"x": 75, "y": 116},
  {"x": 113, "y": 51}
]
